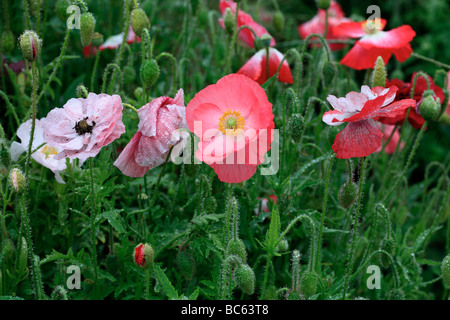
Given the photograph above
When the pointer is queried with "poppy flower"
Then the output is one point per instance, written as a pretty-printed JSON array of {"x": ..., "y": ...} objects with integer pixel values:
[
  {"x": 361, "y": 137},
  {"x": 45, "y": 155},
  {"x": 404, "y": 92},
  {"x": 374, "y": 42},
  {"x": 159, "y": 121},
  {"x": 395, "y": 140},
  {"x": 234, "y": 121},
  {"x": 317, "y": 25},
  {"x": 115, "y": 41},
  {"x": 243, "y": 19},
  {"x": 256, "y": 67},
  {"x": 83, "y": 126}
]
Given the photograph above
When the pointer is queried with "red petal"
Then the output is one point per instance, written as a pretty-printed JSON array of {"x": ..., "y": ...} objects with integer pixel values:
[
  {"x": 395, "y": 109},
  {"x": 360, "y": 58},
  {"x": 126, "y": 162}
]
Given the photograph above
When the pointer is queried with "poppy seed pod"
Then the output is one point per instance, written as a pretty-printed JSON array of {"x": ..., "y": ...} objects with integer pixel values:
[
  {"x": 30, "y": 45},
  {"x": 149, "y": 73},
  {"x": 7, "y": 41},
  {"x": 144, "y": 255},
  {"x": 266, "y": 40},
  {"x": 445, "y": 269},
  {"x": 139, "y": 21},
  {"x": 245, "y": 278},
  {"x": 347, "y": 194},
  {"x": 97, "y": 39},
  {"x": 87, "y": 27},
  {"x": 378, "y": 77}
]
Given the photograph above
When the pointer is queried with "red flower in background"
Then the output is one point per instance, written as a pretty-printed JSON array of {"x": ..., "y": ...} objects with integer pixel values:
[
  {"x": 404, "y": 92},
  {"x": 361, "y": 137},
  {"x": 374, "y": 42},
  {"x": 317, "y": 25},
  {"x": 256, "y": 67},
  {"x": 448, "y": 106},
  {"x": 243, "y": 19},
  {"x": 387, "y": 130}
]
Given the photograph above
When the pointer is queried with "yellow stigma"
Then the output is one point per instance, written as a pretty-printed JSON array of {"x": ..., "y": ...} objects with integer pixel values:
[
  {"x": 47, "y": 151},
  {"x": 231, "y": 123},
  {"x": 372, "y": 26}
]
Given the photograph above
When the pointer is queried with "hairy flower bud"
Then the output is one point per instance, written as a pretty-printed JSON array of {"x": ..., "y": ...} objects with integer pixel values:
[
  {"x": 439, "y": 78},
  {"x": 430, "y": 107},
  {"x": 7, "y": 41},
  {"x": 30, "y": 45},
  {"x": 282, "y": 246},
  {"x": 309, "y": 283},
  {"x": 245, "y": 278},
  {"x": 144, "y": 255},
  {"x": 278, "y": 21},
  {"x": 186, "y": 264},
  {"x": 389, "y": 247},
  {"x": 347, "y": 194},
  {"x": 378, "y": 77},
  {"x": 296, "y": 127},
  {"x": 139, "y": 21},
  {"x": 229, "y": 21},
  {"x": 17, "y": 180},
  {"x": 23, "y": 256},
  {"x": 87, "y": 27},
  {"x": 149, "y": 73},
  {"x": 237, "y": 247},
  {"x": 445, "y": 269}
]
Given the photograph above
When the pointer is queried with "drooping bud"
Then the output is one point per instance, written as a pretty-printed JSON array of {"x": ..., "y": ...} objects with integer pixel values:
[
  {"x": 186, "y": 264},
  {"x": 237, "y": 247},
  {"x": 396, "y": 294},
  {"x": 97, "y": 39},
  {"x": 229, "y": 21},
  {"x": 7, "y": 41},
  {"x": 296, "y": 127},
  {"x": 278, "y": 21},
  {"x": 245, "y": 278},
  {"x": 144, "y": 255},
  {"x": 430, "y": 107},
  {"x": 112, "y": 263},
  {"x": 129, "y": 75},
  {"x": 378, "y": 77},
  {"x": 17, "y": 180},
  {"x": 61, "y": 9},
  {"x": 439, "y": 77},
  {"x": 445, "y": 269},
  {"x": 389, "y": 247},
  {"x": 87, "y": 27},
  {"x": 323, "y": 4},
  {"x": 139, "y": 21},
  {"x": 149, "y": 73},
  {"x": 30, "y": 45},
  {"x": 347, "y": 194},
  {"x": 309, "y": 283}
]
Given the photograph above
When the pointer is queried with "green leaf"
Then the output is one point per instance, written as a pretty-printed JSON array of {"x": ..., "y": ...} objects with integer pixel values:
[
  {"x": 165, "y": 283},
  {"x": 113, "y": 218}
]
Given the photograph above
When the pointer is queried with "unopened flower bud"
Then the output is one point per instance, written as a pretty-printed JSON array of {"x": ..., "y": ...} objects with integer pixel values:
[
  {"x": 282, "y": 246},
  {"x": 378, "y": 77},
  {"x": 296, "y": 127},
  {"x": 144, "y": 255},
  {"x": 439, "y": 77},
  {"x": 323, "y": 4},
  {"x": 309, "y": 283},
  {"x": 87, "y": 27},
  {"x": 97, "y": 39},
  {"x": 445, "y": 269},
  {"x": 245, "y": 278},
  {"x": 30, "y": 45},
  {"x": 138, "y": 92},
  {"x": 186, "y": 264},
  {"x": 237, "y": 247},
  {"x": 23, "y": 256},
  {"x": 389, "y": 247},
  {"x": 149, "y": 73},
  {"x": 278, "y": 21},
  {"x": 139, "y": 21},
  {"x": 17, "y": 180},
  {"x": 7, "y": 41},
  {"x": 347, "y": 194},
  {"x": 229, "y": 21},
  {"x": 396, "y": 294},
  {"x": 430, "y": 108}
]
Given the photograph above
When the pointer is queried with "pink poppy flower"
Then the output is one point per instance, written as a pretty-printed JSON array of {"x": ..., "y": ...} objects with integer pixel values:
[
  {"x": 45, "y": 155},
  {"x": 256, "y": 67},
  {"x": 374, "y": 42},
  {"x": 83, "y": 126},
  {"x": 115, "y": 41},
  {"x": 317, "y": 25},
  {"x": 361, "y": 137},
  {"x": 243, "y": 19},
  {"x": 395, "y": 140},
  {"x": 234, "y": 122},
  {"x": 159, "y": 121}
]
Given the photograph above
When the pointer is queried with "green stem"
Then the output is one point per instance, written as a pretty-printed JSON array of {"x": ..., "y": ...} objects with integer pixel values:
[
  {"x": 94, "y": 70},
  {"x": 438, "y": 63},
  {"x": 232, "y": 42},
  {"x": 93, "y": 229}
]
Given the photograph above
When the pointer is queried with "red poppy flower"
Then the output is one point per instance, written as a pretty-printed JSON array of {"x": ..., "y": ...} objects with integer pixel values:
[
  {"x": 234, "y": 122},
  {"x": 361, "y": 137},
  {"x": 256, "y": 67},
  {"x": 317, "y": 25},
  {"x": 404, "y": 92},
  {"x": 374, "y": 42},
  {"x": 243, "y": 19}
]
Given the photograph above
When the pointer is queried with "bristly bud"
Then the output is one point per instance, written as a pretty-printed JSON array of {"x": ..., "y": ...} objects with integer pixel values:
[
  {"x": 17, "y": 180},
  {"x": 149, "y": 73},
  {"x": 278, "y": 21},
  {"x": 389, "y": 247},
  {"x": 87, "y": 27},
  {"x": 61, "y": 9},
  {"x": 237, "y": 247},
  {"x": 323, "y": 4},
  {"x": 430, "y": 107},
  {"x": 144, "y": 255},
  {"x": 229, "y": 21},
  {"x": 112, "y": 263},
  {"x": 439, "y": 78},
  {"x": 245, "y": 278},
  {"x": 347, "y": 194},
  {"x": 329, "y": 71},
  {"x": 445, "y": 269},
  {"x": 309, "y": 283},
  {"x": 7, "y": 41},
  {"x": 139, "y": 21},
  {"x": 30, "y": 45},
  {"x": 97, "y": 39},
  {"x": 396, "y": 294},
  {"x": 282, "y": 246},
  {"x": 186, "y": 265},
  {"x": 23, "y": 256},
  {"x": 296, "y": 127},
  {"x": 378, "y": 77},
  {"x": 266, "y": 39}
]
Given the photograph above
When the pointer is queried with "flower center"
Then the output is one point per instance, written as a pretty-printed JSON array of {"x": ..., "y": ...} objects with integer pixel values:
[
  {"x": 231, "y": 123},
  {"x": 48, "y": 151},
  {"x": 82, "y": 127},
  {"x": 372, "y": 26}
]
